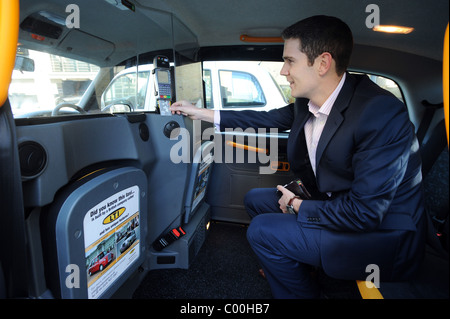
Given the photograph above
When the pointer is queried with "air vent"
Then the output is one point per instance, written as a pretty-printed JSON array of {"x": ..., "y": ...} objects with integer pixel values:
[{"x": 33, "y": 159}]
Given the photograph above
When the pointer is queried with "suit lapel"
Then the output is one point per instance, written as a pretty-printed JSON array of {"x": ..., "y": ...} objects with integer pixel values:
[
  {"x": 301, "y": 115},
  {"x": 335, "y": 118}
]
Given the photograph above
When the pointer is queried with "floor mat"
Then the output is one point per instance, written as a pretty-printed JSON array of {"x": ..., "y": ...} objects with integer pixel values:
[{"x": 225, "y": 268}]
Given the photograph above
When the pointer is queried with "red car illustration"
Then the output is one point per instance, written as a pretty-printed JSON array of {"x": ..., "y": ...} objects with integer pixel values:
[{"x": 100, "y": 262}]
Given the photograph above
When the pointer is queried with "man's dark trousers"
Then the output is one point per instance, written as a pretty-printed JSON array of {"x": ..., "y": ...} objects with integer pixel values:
[{"x": 285, "y": 248}]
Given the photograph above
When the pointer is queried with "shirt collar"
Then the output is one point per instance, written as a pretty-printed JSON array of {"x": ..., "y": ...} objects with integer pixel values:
[{"x": 326, "y": 107}]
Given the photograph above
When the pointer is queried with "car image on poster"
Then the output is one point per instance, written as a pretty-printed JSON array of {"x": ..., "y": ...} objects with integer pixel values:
[{"x": 111, "y": 237}]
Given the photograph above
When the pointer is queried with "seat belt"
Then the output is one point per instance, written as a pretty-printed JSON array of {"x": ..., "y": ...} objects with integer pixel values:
[
  {"x": 433, "y": 148},
  {"x": 430, "y": 109}
]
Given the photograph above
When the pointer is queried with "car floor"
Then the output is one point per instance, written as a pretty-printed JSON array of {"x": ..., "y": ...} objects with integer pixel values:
[{"x": 226, "y": 268}]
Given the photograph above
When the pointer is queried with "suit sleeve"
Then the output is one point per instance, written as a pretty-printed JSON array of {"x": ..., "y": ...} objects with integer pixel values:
[
  {"x": 281, "y": 118},
  {"x": 383, "y": 137}
]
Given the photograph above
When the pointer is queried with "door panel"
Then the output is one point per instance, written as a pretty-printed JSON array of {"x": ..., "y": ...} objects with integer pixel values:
[{"x": 238, "y": 170}]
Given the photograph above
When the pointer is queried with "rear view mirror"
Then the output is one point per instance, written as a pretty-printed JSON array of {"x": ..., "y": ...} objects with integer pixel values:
[
  {"x": 24, "y": 64},
  {"x": 118, "y": 106}
]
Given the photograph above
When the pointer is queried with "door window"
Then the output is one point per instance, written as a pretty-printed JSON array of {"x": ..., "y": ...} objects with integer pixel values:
[
  {"x": 240, "y": 89},
  {"x": 208, "y": 89},
  {"x": 130, "y": 89}
]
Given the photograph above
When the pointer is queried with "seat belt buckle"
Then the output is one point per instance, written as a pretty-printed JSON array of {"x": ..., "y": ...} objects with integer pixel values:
[{"x": 168, "y": 238}]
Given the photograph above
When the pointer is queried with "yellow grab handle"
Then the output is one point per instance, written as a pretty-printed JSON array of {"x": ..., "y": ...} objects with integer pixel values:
[
  {"x": 445, "y": 79},
  {"x": 247, "y": 147},
  {"x": 9, "y": 33}
]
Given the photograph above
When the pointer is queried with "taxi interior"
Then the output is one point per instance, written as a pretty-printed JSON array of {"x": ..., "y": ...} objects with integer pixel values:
[{"x": 81, "y": 187}]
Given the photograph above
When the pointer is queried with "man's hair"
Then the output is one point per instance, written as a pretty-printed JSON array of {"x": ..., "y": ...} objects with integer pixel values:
[{"x": 319, "y": 34}]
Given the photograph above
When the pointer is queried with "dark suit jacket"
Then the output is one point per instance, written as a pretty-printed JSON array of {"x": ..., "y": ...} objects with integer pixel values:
[{"x": 368, "y": 158}]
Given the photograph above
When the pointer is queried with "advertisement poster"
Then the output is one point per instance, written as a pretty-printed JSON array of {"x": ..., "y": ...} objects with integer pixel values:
[
  {"x": 202, "y": 180},
  {"x": 111, "y": 239}
]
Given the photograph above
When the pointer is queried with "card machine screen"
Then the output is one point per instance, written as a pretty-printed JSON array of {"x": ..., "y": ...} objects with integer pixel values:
[
  {"x": 163, "y": 77},
  {"x": 163, "y": 89}
]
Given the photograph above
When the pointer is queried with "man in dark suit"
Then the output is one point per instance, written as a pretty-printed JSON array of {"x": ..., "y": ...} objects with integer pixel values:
[{"x": 354, "y": 147}]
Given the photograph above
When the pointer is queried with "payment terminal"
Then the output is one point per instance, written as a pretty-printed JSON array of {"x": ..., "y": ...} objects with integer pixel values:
[{"x": 162, "y": 80}]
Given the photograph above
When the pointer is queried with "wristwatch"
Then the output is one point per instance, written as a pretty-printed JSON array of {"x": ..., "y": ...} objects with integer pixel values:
[{"x": 290, "y": 207}]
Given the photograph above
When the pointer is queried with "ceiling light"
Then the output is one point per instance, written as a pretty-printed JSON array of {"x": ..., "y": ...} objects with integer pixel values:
[{"x": 393, "y": 29}]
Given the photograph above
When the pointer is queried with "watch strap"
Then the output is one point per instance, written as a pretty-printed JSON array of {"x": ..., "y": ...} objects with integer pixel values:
[
  {"x": 290, "y": 207},
  {"x": 291, "y": 200}
]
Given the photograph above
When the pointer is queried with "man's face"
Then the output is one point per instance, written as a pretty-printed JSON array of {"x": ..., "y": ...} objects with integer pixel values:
[{"x": 301, "y": 76}]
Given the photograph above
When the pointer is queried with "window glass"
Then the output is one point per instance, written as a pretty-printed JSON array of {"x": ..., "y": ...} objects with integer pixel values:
[
  {"x": 244, "y": 85},
  {"x": 273, "y": 69},
  {"x": 388, "y": 85},
  {"x": 41, "y": 82},
  {"x": 208, "y": 89},
  {"x": 46, "y": 81},
  {"x": 45, "y": 85},
  {"x": 240, "y": 89},
  {"x": 129, "y": 89},
  {"x": 258, "y": 85}
]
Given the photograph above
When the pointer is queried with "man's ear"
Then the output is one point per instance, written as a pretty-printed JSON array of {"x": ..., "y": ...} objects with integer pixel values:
[{"x": 325, "y": 62}]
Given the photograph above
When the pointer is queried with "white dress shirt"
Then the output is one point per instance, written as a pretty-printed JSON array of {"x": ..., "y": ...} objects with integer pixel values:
[{"x": 315, "y": 124}]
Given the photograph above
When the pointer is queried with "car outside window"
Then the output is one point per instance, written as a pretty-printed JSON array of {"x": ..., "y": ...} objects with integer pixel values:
[
  {"x": 245, "y": 85},
  {"x": 240, "y": 89}
]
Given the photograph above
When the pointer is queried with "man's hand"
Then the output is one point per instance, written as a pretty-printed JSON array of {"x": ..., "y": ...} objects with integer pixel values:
[
  {"x": 187, "y": 109},
  {"x": 286, "y": 196}
]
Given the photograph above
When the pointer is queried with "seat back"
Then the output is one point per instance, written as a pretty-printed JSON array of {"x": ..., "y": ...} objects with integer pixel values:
[{"x": 95, "y": 233}]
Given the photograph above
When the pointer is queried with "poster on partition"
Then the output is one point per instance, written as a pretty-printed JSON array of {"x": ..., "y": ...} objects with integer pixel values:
[
  {"x": 202, "y": 180},
  {"x": 111, "y": 239}
]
